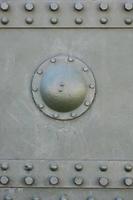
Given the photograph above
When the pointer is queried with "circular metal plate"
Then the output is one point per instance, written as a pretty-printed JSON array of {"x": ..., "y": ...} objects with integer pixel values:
[{"x": 63, "y": 87}]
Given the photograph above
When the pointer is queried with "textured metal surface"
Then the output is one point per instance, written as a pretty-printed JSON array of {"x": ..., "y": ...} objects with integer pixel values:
[{"x": 70, "y": 13}]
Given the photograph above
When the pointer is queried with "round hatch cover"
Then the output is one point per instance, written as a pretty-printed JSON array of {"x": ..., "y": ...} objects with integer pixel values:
[{"x": 63, "y": 87}]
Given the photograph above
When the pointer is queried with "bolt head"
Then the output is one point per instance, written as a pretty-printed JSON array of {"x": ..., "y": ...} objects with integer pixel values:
[
  {"x": 128, "y": 167},
  {"x": 78, "y": 167},
  {"x": 4, "y": 6},
  {"x": 128, "y": 181},
  {"x": 54, "y": 6},
  {"x": 53, "y": 60},
  {"x": 29, "y": 6},
  {"x": 53, "y": 166},
  {"x": 103, "y": 181},
  {"x": 4, "y": 20},
  {"x": 128, "y": 6},
  {"x": 4, "y": 180},
  {"x": 103, "y": 6},
  {"x": 78, "y": 6},
  {"x": 29, "y": 180},
  {"x": 70, "y": 59},
  {"x": 85, "y": 69},
  {"x": 78, "y": 180},
  {"x": 78, "y": 20},
  {"x": 53, "y": 180}
]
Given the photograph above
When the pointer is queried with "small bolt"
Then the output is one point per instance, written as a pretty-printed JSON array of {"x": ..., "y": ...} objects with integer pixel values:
[
  {"x": 104, "y": 6},
  {"x": 128, "y": 181},
  {"x": 53, "y": 167},
  {"x": 64, "y": 197},
  {"x": 103, "y": 20},
  {"x": 128, "y": 167},
  {"x": 78, "y": 167},
  {"x": 41, "y": 106},
  {"x": 4, "y": 180},
  {"x": 78, "y": 6},
  {"x": 54, "y": 6},
  {"x": 55, "y": 115},
  {"x": 78, "y": 20},
  {"x": 103, "y": 181},
  {"x": 7, "y": 197},
  {"x": 28, "y": 166},
  {"x": 128, "y": 21},
  {"x": 53, "y": 60},
  {"x": 78, "y": 180},
  {"x": 85, "y": 69},
  {"x": 103, "y": 168},
  {"x": 90, "y": 198},
  {"x": 4, "y": 20},
  {"x": 29, "y": 180},
  {"x": 40, "y": 71},
  {"x": 29, "y": 6},
  {"x": 4, "y": 6},
  {"x": 4, "y": 166},
  {"x": 29, "y": 20},
  {"x": 73, "y": 115},
  {"x": 87, "y": 103},
  {"x": 53, "y": 180},
  {"x": 54, "y": 20},
  {"x": 128, "y": 6},
  {"x": 70, "y": 59}
]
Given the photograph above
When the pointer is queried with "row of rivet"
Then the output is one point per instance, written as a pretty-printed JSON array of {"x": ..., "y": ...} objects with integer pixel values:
[
  {"x": 79, "y": 6},
  {"x": 54, "y": 20},
  {"x": 63, "y": 197},
  {"x": 77, "y": 180},
  {"x": 54, "y": 167}
]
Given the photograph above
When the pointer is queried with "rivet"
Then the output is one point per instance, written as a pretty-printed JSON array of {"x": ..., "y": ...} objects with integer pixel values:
[
  {"x": 29, "y": 20},
  {"x": 54, "y": 6},
  {"x": 103, "y": 6},
  {"x": 73, "y": 114},
  {"x": 53, "y": 180},
  {"x": 55, "y": 115},
  {"x": 85, "y": 69},
  {"x": 128, "y": 21},
  {"x": 78, "y": 180},
  {"x": 128, "y": 167},
  {"x": 40, "y": 71},
  {"x": 53, "y": 166},
  {"x": 4, "y": 180},
  {"x": 128, "y": 6},
  {"x": 78, "y": 20},
  {"x": 118, "y": 198},
  {"x": 90, "y": 198},
  {"x": 28, "y": 180},
  {"x": 41, "y": 106},
  {"x": 53, "y": 60},
  {"x": 29, "y": 6},
  {"x": 34, "y": 88},
  {"x": 64, "y": 197},
  {"x": 103, "y": 20},
  {"x": 4, "y": 20},
  {"x": 78, "y": 6},
  {"x": 4, "y": 166},
  {"x": 78, "y": 167},
  {"x": 87, "y": 103},
  {"x": 128, "y": 181},
  {"x": 28, "y": 166},
  {"x": 103, "y": 168},
  {"x": 54, "y": 20},
  {"x": 70, "y": 59},
  {"x": 8, "y": 197},
  {"x": 91, "y": 86},
  {"x": 36, "y": 198},
  {"x": 4, "y": 6},
  {"x": 103, "y": 181}
]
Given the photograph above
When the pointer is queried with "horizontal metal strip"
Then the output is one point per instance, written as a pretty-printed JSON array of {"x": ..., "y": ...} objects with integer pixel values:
[{"x": 66, "y": 174}]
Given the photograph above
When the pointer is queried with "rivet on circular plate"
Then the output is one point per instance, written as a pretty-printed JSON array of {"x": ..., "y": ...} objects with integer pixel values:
[
  {"x": 103, "y": 20},
  {"x": 8, "y": 197},
  {"x": 128, "y": 21},
  {"x": 78, "y": 180},
  {"x": 54, "y": 6},
  {"x": 53, "y": 166},
  {"x": 4, "y": 180},
  {"x": 128, "y": 167},
  {"x": 70, "y": 59},
  {"x": 4, "y": 6},
  {"x": 78, "y": 6},
  {"x": 73, "y": 114},
  {"x": 34, "y": 88},
  {"x": 128, "y": 181},
  {"x": 78, "y": 167},
  {"x": 4, "y": 166},
  {"x": 53, "y": 180},
  {"x": 40, "y": 71},
  {"x": 54, "y": 20},
  {"x": 85, "y": 69},
  {"x": 28, "y": 180},
  {"x": 35, "y": 198},
  {"x": 64, "y": 197},
  {"x": 90, "y": 198},
  {"x": 87, "y": 103},
  {"x": 103, "y": 6},
  {"x": 103, "y": 181},
  {"x": 29, "y": 6},
  {"x": 4, "y": 20},
  {"x": 78, "y": 20},
  {"x": 55, "y": 115},
  {"x": 29, "y": 20},
  {"x": 103, "y": 168},
  {"x": 91, "y": 86},
  {"x": 128, "y": 6},
  {"x": 28, "y": 166},
  {"x": 53, "y": 60},
  {"x": 41, "y": 106},
  {"x": 118, "y": 198}
]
